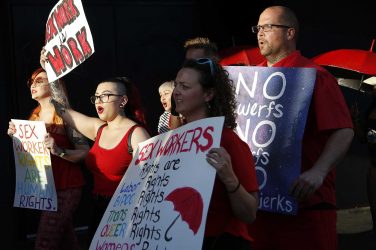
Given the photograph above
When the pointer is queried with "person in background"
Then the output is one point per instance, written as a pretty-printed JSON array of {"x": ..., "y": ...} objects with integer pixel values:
[
  {"x": 365, "y": 130},
  {"x": 116, "y": 132},
  {"x": 203, "y": 89},
  {"x": 200, "y": 47},
  {"x": 67, "y": 148},
  {"x": 169, "y": 119},
  {"x": 327, "y": 137}
]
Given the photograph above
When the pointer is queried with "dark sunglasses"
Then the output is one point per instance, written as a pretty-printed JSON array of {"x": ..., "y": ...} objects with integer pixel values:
[{"x": 205, "y": 61}]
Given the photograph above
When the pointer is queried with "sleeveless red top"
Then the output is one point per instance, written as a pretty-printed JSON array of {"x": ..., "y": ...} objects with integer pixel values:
[
  {"x": 66, "y": 174},
  {"x": 108, "y": 165}
]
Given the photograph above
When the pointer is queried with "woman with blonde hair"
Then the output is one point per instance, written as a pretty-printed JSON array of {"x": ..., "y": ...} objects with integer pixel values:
[{"x": 169, "y": 119}]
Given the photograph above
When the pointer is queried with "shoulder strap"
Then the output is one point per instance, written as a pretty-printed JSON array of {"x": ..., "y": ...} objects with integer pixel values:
[
  {"x": 99, "y": 129},
  {"x": 130, "y": 149}
]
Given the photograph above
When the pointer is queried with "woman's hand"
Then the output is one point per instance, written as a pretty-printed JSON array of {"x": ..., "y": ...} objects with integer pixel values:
[
  {"x": 221, "y": 161},
  {"x": 49, "y": 141},
  {"x": 11, "y": 129},
  {"x": 244, "y": 204},
  {"x": 43, "y": 58}
]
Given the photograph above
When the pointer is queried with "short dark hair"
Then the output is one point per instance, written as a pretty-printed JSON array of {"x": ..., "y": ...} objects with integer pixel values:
[{"x": 133, "y": 109}]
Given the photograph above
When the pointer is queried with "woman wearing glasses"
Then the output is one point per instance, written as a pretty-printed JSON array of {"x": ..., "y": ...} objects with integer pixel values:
[
  {"x": 116, "y": 132},
  {"x": 203, "y": 89},
  {"x": 67, "y": 148}
]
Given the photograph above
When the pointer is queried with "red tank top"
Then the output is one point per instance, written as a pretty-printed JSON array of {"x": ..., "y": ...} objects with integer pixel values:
[
  {"x": 108, "y": 165},
  {"x": 66, "y": 174}
]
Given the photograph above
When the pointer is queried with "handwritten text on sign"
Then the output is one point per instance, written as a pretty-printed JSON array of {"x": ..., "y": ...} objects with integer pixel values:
[
  {"x": 68, "y": 38},
  {"x": 35, "y": 186},
  {"x": 272, "y": 111},
  {"x": 162, "y": 201}
]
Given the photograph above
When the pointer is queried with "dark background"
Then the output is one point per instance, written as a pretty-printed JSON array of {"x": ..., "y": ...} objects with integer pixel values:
[{"x": 144, "y": 41}]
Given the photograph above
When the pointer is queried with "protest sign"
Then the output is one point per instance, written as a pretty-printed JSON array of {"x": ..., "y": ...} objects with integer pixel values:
[
  {"x": 163, "y": 199},
  {"x": 35, "y": 187},
  {"x": 68, "y": 38},
  {"x": 272, "y": 110}
]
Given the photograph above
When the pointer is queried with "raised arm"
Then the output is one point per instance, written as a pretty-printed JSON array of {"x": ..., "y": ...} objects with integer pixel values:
[{"x": 85, "y": 125}]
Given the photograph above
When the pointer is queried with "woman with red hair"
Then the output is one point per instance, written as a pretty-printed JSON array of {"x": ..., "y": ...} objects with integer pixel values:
[{"x": 67, "y": 148}]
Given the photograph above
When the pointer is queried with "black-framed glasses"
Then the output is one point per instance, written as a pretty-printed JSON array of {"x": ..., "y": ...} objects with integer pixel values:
[
  {"x": 103, "y": 98},
  {"x": 268, "y": 27},
  {"x": 205, "y": 61}
]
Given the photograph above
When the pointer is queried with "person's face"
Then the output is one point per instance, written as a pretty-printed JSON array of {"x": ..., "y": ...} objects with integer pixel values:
[
  {"x": 195, "y": 54},
  {"x": 40, "y": 88},
  {"x": 109, "y": 98},
  {"x": 165, "y": 95},
  {"x": 273, "y": 42},
  {"x": 190, "y": 98}
]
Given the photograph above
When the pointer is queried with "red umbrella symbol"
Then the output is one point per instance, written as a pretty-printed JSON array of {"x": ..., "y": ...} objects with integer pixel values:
[
  {"x": 354, "y": 60},
  {"x": 188, "y": 203},
  {"x": 241, "y": 55}
]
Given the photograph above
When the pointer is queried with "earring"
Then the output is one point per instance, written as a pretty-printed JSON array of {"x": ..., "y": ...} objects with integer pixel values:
[{"x": 208, "y": 106}]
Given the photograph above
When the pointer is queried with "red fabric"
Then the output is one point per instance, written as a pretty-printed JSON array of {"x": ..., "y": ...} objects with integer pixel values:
[
  {"x": 66, "y": 174},
  {"x": 188, "y": 203},
  {"x": 55, "y": 230},
  {"x": 308, "y": 230},
  {"x": 328, "y": 112},
  {"x": 108, "y": 165},
  {"x": 220, "y": 218}
]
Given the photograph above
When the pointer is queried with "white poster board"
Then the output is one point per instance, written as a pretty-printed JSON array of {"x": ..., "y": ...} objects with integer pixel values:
[
  {"x": 35, "y": 187},
  {"x": 68, "y": 38},
  {"x": 163, "y": 199}
]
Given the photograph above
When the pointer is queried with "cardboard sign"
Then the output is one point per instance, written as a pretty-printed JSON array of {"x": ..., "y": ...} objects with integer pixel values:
[
  {"x": 68, "y": 38},
  {"x": 35, "y": 187},
  {"x": 272, "y": 111},
  {"x": 163, "y": 199}
]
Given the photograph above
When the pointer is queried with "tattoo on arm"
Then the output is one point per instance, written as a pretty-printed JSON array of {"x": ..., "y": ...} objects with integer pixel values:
[
  {"x": 75, "y": 137},
  {"x": 57, "y": 93},
  {"x": 59, "y": 99}
]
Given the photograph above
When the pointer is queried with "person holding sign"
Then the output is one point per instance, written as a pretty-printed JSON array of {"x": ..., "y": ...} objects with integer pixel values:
[
  {"x": 202, "y": 90},
  {"x": 67, "y": 148},
  {"x": 327, "y": 137},
  {"x": 116, "y": 134}
]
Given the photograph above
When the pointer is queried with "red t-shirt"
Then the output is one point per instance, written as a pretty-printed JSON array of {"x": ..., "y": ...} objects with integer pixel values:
[
  {"x": 108, "y": 165},
  {"x": 328, "y": 111},
  {"x": 66, "y": 174},
  {"x": 220, "y": 218}
]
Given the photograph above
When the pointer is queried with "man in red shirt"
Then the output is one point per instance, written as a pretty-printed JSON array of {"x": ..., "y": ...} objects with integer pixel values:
[{"x": 327, "y": 137}]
